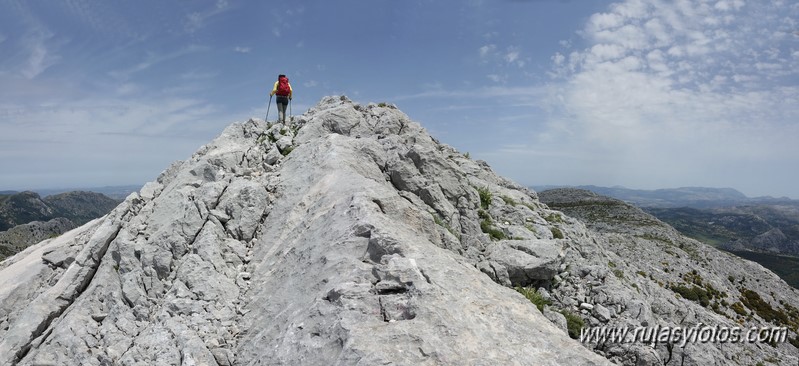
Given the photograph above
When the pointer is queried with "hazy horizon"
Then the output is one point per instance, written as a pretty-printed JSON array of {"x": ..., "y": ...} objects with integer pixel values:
[
  {"x": 532, "y": 186},
  {"x": 639, "y": 93}
]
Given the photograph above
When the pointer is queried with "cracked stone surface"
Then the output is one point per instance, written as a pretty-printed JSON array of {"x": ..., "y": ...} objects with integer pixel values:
[{"x": 347, "y": 236}]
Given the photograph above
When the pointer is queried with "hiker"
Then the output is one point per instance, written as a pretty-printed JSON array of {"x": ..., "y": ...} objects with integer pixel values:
[{"x": 283, "y": 90}]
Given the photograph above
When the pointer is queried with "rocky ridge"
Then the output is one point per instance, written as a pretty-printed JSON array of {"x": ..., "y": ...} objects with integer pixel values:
[
  {"x": 22, "y": 236},
  {"x": 350, "y": 236},
  {"x": 633, "y": 270}
]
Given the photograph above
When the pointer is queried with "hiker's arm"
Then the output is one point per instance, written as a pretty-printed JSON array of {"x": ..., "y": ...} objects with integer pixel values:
[{"x": 274, "y": 89}]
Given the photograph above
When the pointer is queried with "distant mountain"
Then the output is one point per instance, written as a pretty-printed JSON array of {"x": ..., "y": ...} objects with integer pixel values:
[
  {"x": 26, "y": 218},
  {"x": 762, "y": 229},
  {"x": 697, "y": 197},
  {"x": 22, "y": 208},
  {"x": 79, "y": 207},
  {"x": 766, "y": 228},
  {"x": 115, "y": 192}
]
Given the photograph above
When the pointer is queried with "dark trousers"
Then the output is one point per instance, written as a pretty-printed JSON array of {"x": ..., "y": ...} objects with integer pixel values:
[{"x": 282, "y": 102}]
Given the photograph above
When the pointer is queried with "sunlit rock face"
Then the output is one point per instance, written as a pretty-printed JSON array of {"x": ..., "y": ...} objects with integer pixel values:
[{"x": 350, "y": 236}]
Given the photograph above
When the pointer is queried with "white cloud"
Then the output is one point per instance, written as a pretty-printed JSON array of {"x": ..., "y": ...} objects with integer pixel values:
[
  {"x": 154, "y": 59},
  {"x": 196, "y": 20},
  {"x": 496, "y": 78},
  {"x": 487, "y": 50},
  {"x": 240, "y": 49},
  {"x": 39, "y": 46},
  {"x": 656, "y": 82},
  {"x": 512, "y": 56}
]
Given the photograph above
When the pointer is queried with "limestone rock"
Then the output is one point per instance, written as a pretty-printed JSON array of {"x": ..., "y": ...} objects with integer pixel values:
[
  {"x": 366, "y": 241},
  {"x": 357, "y": 248}
]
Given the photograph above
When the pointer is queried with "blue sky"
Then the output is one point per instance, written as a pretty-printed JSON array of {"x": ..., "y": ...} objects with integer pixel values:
[{"x": 641, "y": 93}]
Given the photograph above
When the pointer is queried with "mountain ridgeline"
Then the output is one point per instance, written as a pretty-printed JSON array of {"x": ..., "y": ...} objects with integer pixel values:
[
  {"x": 350, "y": 236},
  {"x": 762, "y": 229},
  {"x": 78, "y": 207},
  {"x": 26, "y": 218}
]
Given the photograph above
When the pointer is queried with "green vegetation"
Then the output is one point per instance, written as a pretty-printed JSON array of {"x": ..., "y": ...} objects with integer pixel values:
[
  {"x": 738, "y": 308},
  {"x": 553, "y": 218},
  {"x": 556, "y": 233},
  {"x": 382, "y": 105},
  {"x": 574, "y": 323},
  {"x": 287, "y": 151},
  {"x": 487, "y": 227},
  {"x": 485, "y": 197},
  {"x": 648, "y": 236},
  {"x": 508, "y": 200},
  {"x": 467, "y": 155},
  {"x": 534, "y": 297},
  {"x": 754, "y": 302},
  {"x": 693, "y": 293},
  {"x": 787, "y": 267},
  {"x": 698, "y": 291}
]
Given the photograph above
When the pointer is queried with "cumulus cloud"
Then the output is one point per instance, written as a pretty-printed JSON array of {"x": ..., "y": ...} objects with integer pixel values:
[{"x": 704, "y": 78}]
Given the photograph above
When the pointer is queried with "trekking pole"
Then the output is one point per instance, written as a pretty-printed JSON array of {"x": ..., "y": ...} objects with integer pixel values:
[
  {"x": 291, "y": 118},
  {"x": 266, "y": 119}
]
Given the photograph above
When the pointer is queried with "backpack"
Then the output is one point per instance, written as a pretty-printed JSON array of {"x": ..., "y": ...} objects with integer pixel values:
[{"x": 283, "y": 88}]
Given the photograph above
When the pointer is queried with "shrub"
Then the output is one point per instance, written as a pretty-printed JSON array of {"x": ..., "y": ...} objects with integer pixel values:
[
  {"x": 574, "y": 323},
  {"x": 694, "y": 293},
  {"x": 534, "y": 297},
  {"x": 486, "y": 227},
  {"x": 754, "y": 302},
  {"x": 485, "y": 197},
  {"x": 556, "y": 233},
  {"x": 738, "y": 308},
  {"x": 508, "y": 200},
  {"x": 553, "y": 218}
]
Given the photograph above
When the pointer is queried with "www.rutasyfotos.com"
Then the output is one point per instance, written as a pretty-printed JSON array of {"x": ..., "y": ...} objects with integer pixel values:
[{"x": 681, "y": 335}]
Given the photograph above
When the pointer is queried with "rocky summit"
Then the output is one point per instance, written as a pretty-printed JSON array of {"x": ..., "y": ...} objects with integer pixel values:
[{"x": 350, "y": 236}]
